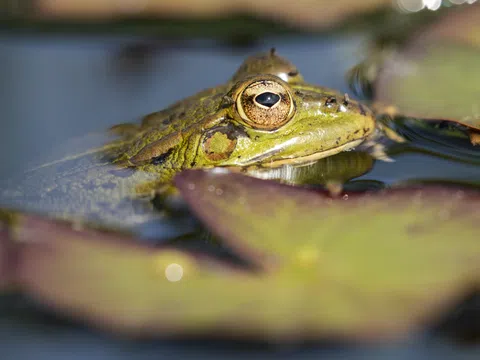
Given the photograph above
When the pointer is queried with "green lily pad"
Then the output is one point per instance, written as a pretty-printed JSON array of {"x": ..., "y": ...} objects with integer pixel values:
[
  {"x": 327, "y": 268},
  {"x": 436, "y": 75},
  {"x": 374, "y": 258}
]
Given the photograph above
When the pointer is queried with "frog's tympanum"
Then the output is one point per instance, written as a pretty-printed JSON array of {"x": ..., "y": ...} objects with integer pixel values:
[{"x": 265, "y": 116}]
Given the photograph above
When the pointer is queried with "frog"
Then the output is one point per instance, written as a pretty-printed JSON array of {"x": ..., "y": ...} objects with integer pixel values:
[{"x": 266, "y": 116}]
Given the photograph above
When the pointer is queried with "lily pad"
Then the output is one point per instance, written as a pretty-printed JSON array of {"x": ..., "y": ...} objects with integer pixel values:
[
  {"x": 436, "y": 75},
  {"x": 379, "y": 258},
  {"x": 110, "y": 280},
  {"x": 327, "y": 267}
]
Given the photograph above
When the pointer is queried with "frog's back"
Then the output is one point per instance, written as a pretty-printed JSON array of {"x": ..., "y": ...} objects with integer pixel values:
[
  {"x": 169, "y": 123},
  {"x": 187, "y": 111}
]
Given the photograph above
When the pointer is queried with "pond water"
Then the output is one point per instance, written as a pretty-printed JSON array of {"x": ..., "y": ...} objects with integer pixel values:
[{"x": 58, "y": 88}]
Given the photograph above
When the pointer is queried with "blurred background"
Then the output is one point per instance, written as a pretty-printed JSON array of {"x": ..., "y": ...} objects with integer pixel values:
[{"x": 70, "y": 69}]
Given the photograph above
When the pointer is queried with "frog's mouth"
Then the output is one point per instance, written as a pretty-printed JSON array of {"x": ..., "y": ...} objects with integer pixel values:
[{"x": 300, "y": 160}]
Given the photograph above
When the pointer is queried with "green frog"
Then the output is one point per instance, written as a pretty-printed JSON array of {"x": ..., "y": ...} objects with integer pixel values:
[{"x": 266, "y": 116}]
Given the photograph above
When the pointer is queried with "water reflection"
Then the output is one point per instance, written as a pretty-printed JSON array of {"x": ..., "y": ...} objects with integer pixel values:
[{"x": 338, "y": 168}]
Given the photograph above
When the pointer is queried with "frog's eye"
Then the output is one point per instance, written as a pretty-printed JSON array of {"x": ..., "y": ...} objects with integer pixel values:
[{"x": 265, "y": 104}]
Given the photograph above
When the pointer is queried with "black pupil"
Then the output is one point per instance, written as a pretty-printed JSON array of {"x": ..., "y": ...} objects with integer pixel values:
[{"x": 267, "y": 99}]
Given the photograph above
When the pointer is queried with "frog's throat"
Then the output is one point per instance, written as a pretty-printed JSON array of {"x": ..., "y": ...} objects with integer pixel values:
[{"x": 315, "y": 156}]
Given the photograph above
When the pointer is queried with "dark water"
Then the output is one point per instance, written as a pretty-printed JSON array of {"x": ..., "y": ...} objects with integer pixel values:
[{"x": 55, "y": 89}]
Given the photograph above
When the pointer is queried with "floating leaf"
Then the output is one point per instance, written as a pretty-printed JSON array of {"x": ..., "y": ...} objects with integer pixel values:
[
  {"x": 367, "y": 268},
  {"x": 436, "y": 75},
  {"x": 106, "y": 279},
  {"x": 389, "y": 258}
]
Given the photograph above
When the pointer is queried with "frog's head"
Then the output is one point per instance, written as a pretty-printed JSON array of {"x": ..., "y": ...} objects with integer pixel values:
[
  {"x": 261, "y": 120},
  {"x": 265, "y": 121}
]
